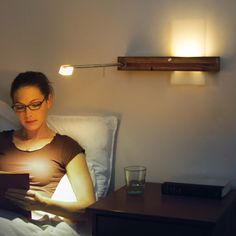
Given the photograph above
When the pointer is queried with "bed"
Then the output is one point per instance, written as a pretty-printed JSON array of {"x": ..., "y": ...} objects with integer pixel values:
[{"x": 97, "y": 134}]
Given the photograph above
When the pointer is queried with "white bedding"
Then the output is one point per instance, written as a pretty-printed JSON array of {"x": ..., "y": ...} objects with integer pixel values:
[{"x": 12, "y": 224}]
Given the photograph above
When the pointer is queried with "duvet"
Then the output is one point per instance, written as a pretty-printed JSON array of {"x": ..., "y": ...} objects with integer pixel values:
[{"x": 12, "y": 224}]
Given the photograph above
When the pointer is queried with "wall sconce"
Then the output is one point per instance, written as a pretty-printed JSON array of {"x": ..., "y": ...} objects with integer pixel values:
[
  {"x": 187, "y": 62},
  {"x": 154, "y": 64}
]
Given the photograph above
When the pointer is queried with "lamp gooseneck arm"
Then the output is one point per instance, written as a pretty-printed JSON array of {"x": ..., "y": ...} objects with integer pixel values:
[{"x": 97, "y": 65}]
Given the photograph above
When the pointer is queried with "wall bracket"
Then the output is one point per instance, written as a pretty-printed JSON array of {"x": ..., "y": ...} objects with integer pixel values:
[{"x": 169, "y": 63}]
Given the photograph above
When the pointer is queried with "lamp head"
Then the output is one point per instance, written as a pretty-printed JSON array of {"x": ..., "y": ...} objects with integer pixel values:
[{"x": 66, "y": 70}]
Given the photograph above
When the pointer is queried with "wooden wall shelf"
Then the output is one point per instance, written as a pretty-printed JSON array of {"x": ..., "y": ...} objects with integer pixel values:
[{"x": 169, "y": 63}]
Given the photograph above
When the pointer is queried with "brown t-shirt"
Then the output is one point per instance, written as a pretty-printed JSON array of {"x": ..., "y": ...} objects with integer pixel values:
[{"x": 46, "y": 166}]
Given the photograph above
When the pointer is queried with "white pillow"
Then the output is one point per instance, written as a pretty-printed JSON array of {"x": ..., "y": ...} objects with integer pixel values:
[{"x": 96, "y": 134}]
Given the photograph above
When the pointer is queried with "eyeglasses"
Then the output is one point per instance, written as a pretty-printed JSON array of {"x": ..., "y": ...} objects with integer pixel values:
[{"x": 32, "y": 106}]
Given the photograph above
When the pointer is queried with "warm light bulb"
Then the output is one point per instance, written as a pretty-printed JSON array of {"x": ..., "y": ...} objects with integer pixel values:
[{"x": 66, "y": 70}]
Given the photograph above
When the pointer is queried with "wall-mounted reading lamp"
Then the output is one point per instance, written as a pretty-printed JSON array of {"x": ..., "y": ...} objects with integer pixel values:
[
  {"x": 154, "y": 64},
  {"x": 68, "y": 70}
]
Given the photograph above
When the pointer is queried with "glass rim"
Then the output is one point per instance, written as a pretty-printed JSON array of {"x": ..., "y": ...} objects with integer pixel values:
[{"x": 135, "y": 168}]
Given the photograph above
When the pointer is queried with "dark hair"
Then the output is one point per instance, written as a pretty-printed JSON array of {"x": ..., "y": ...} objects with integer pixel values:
[{"x": 32, "y": 78}]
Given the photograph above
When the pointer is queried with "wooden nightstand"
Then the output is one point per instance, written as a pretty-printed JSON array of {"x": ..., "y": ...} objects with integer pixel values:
[{"x": 157, "y": 214}]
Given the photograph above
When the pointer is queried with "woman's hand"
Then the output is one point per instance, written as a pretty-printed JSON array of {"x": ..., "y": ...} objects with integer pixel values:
[{"x": 26, "y": 199}]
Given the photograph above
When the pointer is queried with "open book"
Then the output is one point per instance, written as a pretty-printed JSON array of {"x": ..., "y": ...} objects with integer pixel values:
[{"x": 13, "y": 180}]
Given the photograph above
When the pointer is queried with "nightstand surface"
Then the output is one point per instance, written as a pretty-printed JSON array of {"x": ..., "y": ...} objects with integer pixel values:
[{"x": 162, "y": 213}]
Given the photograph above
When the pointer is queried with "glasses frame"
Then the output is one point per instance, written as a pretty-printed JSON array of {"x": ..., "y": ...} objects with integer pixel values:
[{"x": 29, "y": 106}]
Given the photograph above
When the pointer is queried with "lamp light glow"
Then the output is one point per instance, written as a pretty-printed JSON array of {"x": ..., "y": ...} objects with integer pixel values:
[
  {"x": 188, "y": 40},
  {"x": 66, "y": 70},
  {"x": 188, "y": 78}
]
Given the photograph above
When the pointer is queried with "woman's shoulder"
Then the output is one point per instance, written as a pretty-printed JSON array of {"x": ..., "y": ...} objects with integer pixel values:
[
  {"x": 68, "y": 141},
  {"x": 64, "y": 138}
]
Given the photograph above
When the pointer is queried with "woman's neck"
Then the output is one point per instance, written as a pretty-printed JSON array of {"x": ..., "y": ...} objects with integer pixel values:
[
  {"x": 33, "y": 140},
  {"x": 41, "y": 133}
]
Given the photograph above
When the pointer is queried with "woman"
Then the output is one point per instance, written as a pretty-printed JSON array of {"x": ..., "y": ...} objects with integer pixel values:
[{"x": 41, "y": 152}]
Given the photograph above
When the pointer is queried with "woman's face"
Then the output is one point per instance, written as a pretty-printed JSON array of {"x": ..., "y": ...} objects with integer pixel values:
[{"x": 31, "y": 95}]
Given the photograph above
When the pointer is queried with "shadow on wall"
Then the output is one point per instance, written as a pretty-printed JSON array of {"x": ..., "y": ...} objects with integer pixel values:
[{"x": 140, "y": 44}]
